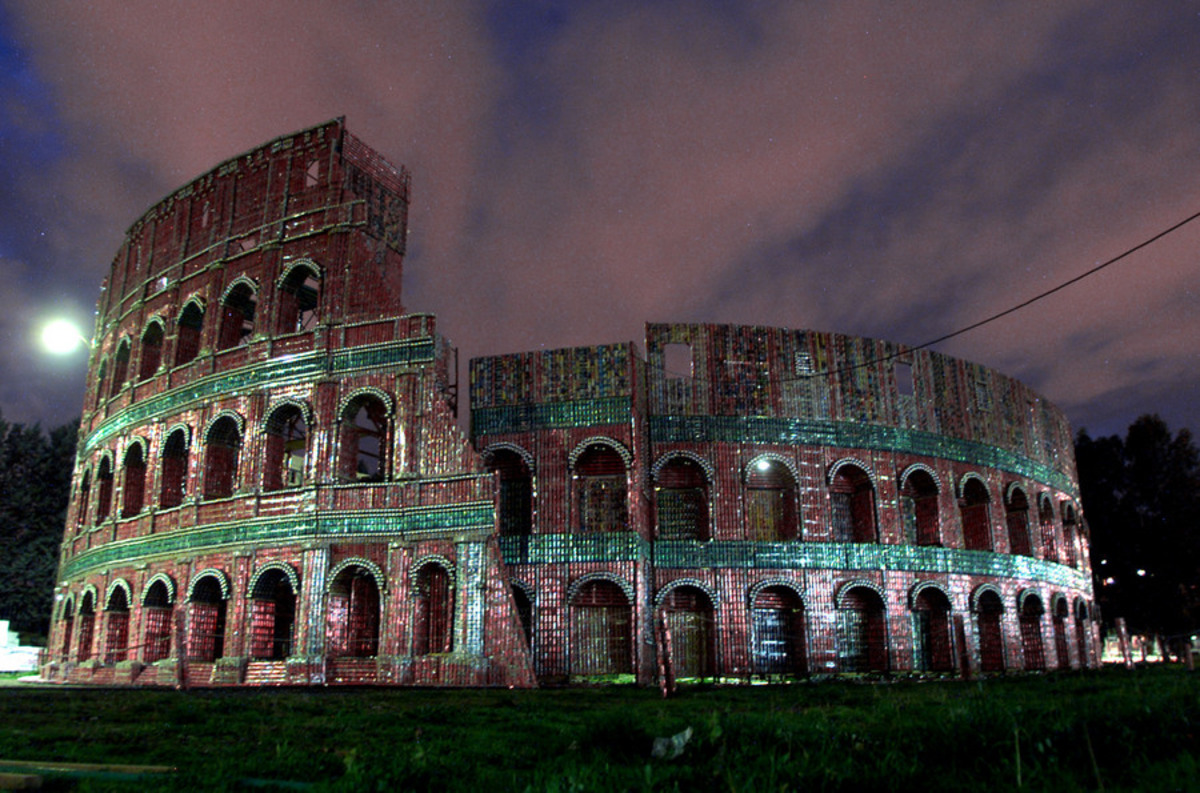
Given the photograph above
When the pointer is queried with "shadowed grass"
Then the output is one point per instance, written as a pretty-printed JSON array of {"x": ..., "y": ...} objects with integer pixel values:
[{"x": 1080, "y": 731}]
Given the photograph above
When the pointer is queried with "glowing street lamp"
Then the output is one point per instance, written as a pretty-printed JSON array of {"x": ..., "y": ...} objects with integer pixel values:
[{"x": 62, "y": 337}]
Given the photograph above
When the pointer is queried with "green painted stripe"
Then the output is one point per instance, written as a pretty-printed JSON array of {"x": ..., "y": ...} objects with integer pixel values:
[
  {"x": 399, "y": 524},
  {"x": 688, "y": 554},
  {"x": 551, "y": 415},
  {"x": 258, "y": 374}
]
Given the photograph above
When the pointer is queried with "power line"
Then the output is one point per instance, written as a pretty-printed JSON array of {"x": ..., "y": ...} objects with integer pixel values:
[{"x": 998, "y": 315}]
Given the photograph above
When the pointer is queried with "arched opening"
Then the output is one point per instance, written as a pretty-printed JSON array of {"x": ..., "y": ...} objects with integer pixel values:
[
  {"x": 1081, "y": 632},
  {"x": 352, "y": 627},
  {"x": 601, "y": 630},
  {"x": 206, "y": 624},
  {"x": 852, "y": 497},
  {"x": 173, "y": 486},
  {"x": 272, "y": 616},
  {"x": 524, "y": 605},
  {"x": 516, "y": 492},
  {"x": 237, "y": 316},
  {"x": 1017, "y": 520},
  {"x": 222, "y": 449},
  {"x": 433, "y": 611},
  {"x": 287, "y": 448},
  {"x": 976, "y": 517},
  {"x": 363, "y": 447},
  {"x": 919, "y": 509},
  {"x": 152, "y": 341},
  {"x": 188, "y": 330},
  {"x": 777, "y": 622},
  {"x": 1049, "y": 532},
  {"x": 1061, "y": 653},
  {"x": 120, "y": 368},
  {"x": 1032, "y": 649},
  {"x": 104, "y": 480},
  {"x": 862, "y": 632},
  {"x": 134, "y": 490},
  {"x": 1070, "y": 532},
  {"x": 68, "y": 626},
  {"x": 600, "y": 486},
  {"x": 989, "y": 610},
  {"x": 690, "y": 620},
  {"x": 933, "y": 648},
  {"x": 299, "y": 297},
  {"x": 102, "y": 381},
  {"x": 157, "y": 616},
  {"x": 116, "y": 639},
  {"x": 681, "y": 500},
  {"x": 85, "y": 495},
  {"x": 87, "y": 626},
  {"x": 771, "y": 514}
]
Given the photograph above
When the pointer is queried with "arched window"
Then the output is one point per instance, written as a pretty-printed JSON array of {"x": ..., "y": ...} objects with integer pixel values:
[
  {"x": 152, "y": 341},
  {"x": 777, "y": 622},
  {"x": 1061, "y": 613},
  {"x": 87, "y": 625},
  {"x": 690, "y": 618},
  {"x": 104, "y": 481},
  {"x": 157, "y": 616},
  {"x": 237, "y": 316},
  {"x": 771, "y": 514},
  {"x": 976, "y": 518},
  {"x": 272, "y": 616},
  {"x": 681, "y": 500},
  {"x": 1081, "y": 631},
  {"x": 1031, "y": 633},
  {"x": 862, "y": 632},
  {"x": 299, "y": 297},
  {"x": 1049, "y": 530},
  {"x": 433, "y": 611},
  {"x": 222, "y": 449},
  {"x": 85, "y": 494},
  {"x": 116, "y": 640},
  {"x": 187, "y": 340},
  {"x": 853, "y": 499},
  {"x": 1017, "y": 519},
  {"x": 919, "y": 509},
  {"x": 206, "y": 625},
  {"x": 601, "y": 630},
  {"x": 601, "y": 500},
  {"x": 353, "y": 616},
  {"x": 120, "y": 368},
  {"x": 287, "y": 448},
  {"x": 989, "y": 610},
  {"x": 364, "y": 443},
  {"x": 68, "y": 625},
  {"x": 933, "y": 649},
  {"x": 516, "y": 492},
  {"x": 173, "y": 487},
  {"x": 1070, "y": 532},
  {"x": 134, "y": 491}
]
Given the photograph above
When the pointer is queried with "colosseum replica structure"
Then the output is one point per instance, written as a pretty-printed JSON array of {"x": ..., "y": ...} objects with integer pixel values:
[{"x": 274, "y": 487}]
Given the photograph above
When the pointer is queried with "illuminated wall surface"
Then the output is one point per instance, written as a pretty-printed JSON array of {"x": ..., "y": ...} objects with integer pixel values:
[{"x": 273, "y": 488}]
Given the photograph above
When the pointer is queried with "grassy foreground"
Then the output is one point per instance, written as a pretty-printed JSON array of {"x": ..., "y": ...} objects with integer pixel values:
[{"x": 1110, "y": 730}]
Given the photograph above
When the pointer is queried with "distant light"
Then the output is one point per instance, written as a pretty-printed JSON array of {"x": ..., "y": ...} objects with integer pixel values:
[
  {"x": 61, "y": 336},
  {"x": 1141, "y": 572},
  {"x": 764, "y": 464}
]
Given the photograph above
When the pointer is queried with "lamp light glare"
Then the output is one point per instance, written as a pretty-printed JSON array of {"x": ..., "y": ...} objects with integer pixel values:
[{"x": 61, "y": 337}]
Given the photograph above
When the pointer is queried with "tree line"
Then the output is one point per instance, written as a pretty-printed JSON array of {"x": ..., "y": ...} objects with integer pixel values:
[{"x": 35, "y": 486}]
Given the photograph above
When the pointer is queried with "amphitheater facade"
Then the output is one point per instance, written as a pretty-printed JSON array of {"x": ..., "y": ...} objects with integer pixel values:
[{"x": 273, "y": 487}]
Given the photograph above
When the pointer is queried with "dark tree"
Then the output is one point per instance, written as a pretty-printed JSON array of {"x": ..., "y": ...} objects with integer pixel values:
[
  {"x": 1141, "y": 496},
  {"x": 35, "y": 483}
]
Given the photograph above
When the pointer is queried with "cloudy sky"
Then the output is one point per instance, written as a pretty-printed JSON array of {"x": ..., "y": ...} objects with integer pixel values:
[{"x": 882, "y": 168}]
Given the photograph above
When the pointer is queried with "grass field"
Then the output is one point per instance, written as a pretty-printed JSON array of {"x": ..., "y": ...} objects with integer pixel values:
[{"x": 1111, "y": 730}]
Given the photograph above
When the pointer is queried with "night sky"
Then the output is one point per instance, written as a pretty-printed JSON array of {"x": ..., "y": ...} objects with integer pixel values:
[{"x": 883, "y": 169}]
